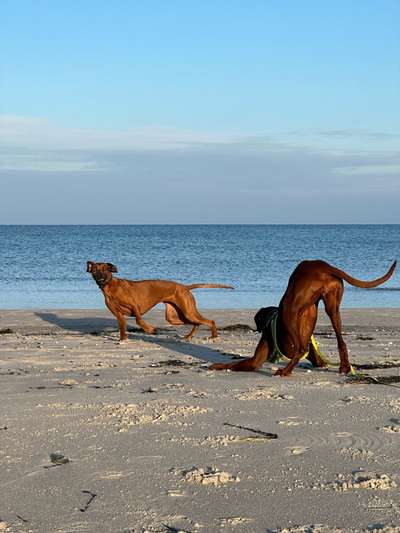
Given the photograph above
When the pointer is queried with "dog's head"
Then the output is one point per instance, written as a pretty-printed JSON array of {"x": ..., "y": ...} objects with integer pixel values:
[
  {"x": 102, "y": 272},
  {"x": 262, "y": 316}
]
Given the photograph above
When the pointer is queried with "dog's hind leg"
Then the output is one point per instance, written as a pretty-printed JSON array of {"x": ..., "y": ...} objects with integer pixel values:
[
  {"x": 175, "y": 317},
  {"x": 332, "y": 301},
  {"x": 191, "y": 332},
  {"x": 172, "y": 315},
  {"x": 197, "y": 320},
  {"x": 186, "y": 304}
]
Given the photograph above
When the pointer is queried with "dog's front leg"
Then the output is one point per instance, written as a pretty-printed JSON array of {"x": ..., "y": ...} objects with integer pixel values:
[
  {"x": 122, "y": 327},
  {"x": 249, "y": 364},
  {"x": 151, "y": 330},
  {"x": 121, "y": 320},
  {"x": 288, "y": 369}
]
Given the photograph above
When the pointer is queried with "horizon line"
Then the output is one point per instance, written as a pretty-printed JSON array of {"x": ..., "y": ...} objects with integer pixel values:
[{"x": 208, "y": 224}]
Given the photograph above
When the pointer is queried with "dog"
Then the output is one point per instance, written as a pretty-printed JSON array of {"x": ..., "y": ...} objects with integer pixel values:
[
  {"x": 310, "y": 282},
  {"x": 134, "y": 298}
]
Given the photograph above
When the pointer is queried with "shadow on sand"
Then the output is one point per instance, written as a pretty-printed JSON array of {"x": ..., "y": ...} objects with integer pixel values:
[
  {"x": 96, "y": 325},
  {"x": 99, "y": 325},
  {"x": 93, "y": 325}
]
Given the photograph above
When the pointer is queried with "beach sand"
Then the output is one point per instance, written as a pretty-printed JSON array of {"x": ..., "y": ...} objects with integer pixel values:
[{"x": 145, "y": 438}]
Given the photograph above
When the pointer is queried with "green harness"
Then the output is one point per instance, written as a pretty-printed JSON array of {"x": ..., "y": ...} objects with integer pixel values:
[{"x": 276, "y": 354}]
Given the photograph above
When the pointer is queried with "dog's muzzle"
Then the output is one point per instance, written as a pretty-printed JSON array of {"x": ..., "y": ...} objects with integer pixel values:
[{"x": 101, "y": 281}]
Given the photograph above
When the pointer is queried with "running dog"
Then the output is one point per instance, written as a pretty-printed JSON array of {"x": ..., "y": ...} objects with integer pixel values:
[{"x": 134, "y": 298}]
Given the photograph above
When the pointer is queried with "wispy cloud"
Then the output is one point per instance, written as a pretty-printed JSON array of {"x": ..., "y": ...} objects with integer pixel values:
[
  {"x": 360, "y": 134},
  {"x": 42, "y": 133},
  {"x": 366, "y": 170},
  {"x": 198, "y": 179},
  {"x": 37, "y": 144}
]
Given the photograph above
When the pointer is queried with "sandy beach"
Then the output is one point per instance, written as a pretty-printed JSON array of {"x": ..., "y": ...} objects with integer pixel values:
[{"x": 101, "y": 437}]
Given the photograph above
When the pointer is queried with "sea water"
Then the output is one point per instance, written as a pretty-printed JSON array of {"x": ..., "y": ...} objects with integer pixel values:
[{"x": 45, "y": 266}]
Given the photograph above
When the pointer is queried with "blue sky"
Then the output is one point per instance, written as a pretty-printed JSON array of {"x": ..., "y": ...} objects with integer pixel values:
[{"x": 247, "y": 112}]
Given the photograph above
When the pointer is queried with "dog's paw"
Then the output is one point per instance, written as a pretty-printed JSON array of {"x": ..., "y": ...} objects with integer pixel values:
[
  {"x": 282, "y": 372},
  {"x": 123, "y": 341},
  {"x": 344, "y": 369},
  {"x": 219, "y": 366}
]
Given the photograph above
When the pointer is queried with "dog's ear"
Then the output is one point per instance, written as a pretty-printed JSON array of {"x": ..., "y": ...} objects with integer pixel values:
[
  {"x": 89, "y": 266},
  {"x": 261, "y": 317},
  {"x": 111, "y": 267}
]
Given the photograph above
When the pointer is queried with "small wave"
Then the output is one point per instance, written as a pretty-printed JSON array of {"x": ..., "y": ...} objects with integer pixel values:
[
  {"x": 390, "y": 289},
  {"x": 379, "y": 289},
  {"x": 42, "y": 279}
]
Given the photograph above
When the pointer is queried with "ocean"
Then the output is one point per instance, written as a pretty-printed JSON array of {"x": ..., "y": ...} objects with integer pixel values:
[{"x": 44, "y": 267}]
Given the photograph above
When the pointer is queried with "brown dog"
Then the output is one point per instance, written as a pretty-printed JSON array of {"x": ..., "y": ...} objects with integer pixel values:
[
  {"x": 310, "y": 282},
  {"x": 134, "y": 298}
]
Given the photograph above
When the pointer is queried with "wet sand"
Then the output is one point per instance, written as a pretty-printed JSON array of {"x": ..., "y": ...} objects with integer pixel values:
[{"x": 148, "y": 439}]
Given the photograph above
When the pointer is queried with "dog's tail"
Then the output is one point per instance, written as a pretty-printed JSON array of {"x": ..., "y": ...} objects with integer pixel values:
[
  {"x": 361, "y": 283},
  {"x": 208, "y": 286}
]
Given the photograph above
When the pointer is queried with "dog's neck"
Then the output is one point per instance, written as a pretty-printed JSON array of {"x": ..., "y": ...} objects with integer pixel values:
[{"x": 101, "y": 280}]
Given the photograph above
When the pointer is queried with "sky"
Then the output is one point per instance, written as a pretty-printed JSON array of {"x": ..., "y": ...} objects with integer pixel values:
[{"x": 258, "y": 111}]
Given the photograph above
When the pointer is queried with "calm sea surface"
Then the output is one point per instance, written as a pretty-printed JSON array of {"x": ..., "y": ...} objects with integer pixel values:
[{"x": 44, "y": 266}]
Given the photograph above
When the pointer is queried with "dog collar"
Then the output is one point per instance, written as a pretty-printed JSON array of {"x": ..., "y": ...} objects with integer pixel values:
[{"x": 276, "y": 354}]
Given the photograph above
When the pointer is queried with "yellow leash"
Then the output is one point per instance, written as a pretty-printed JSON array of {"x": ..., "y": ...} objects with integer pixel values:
[{"x": 277, "y": 354}]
